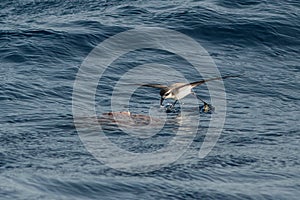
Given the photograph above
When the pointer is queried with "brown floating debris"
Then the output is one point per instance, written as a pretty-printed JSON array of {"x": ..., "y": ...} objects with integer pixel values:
[{"x": 128, "y": 119}]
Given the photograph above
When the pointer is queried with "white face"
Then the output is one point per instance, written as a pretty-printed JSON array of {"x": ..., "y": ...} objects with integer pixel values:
[{"x": 168, "y": 95}]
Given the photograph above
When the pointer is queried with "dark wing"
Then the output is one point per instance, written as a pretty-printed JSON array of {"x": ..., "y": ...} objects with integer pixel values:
[
  {"x": 194, "y": 84},
  {"x": 154, "y": 85}
]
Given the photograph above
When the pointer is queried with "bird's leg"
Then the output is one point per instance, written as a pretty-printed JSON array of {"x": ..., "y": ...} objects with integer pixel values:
[
  {"x": 169, "y": 108},
  {"x": 206, "y": 107},
  {"x": 174, "y": 103},
  {"x": 193, "y": 93}
]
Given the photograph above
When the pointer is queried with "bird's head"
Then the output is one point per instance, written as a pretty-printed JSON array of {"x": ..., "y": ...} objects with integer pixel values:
[{"x": 165, "y": 94}]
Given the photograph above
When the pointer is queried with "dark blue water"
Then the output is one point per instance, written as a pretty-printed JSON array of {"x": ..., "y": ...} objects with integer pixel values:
[{"x": 42, "y": 45}]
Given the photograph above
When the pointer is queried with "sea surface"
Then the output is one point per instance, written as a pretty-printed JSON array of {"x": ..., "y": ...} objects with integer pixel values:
[{"x": 44, "y": 43}]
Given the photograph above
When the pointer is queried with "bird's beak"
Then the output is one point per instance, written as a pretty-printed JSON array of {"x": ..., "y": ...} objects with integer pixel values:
[{"x": 161, "y": 100}]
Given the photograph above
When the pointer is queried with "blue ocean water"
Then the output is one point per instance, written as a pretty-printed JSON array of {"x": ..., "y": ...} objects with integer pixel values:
[{"x": 43, "y": 44}]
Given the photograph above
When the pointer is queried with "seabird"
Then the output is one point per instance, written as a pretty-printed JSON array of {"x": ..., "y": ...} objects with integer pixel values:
[{"x": 178, "y": 91}]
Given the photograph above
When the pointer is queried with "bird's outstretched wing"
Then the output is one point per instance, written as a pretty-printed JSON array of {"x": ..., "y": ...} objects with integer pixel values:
[
  {"x": 154, "y": 85},
  {"x": 194, "y": 84}
]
